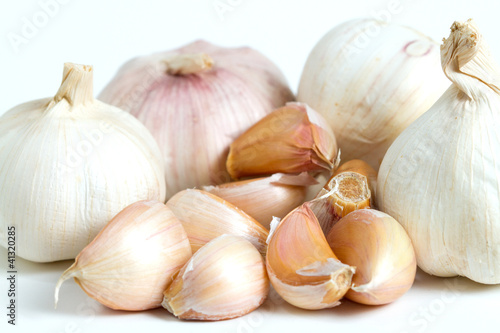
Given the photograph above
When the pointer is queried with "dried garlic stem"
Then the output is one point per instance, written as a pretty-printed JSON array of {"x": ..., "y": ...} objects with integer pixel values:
[
  {"x": 185, "y": 64},
  {"x": 77, "y": 84}
]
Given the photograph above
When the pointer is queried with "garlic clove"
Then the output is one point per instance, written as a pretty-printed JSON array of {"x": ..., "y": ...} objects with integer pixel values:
[
  {"x": 225, "y": 279},
  {"x": 263, "y": 198},
  {"x": 132, "y": 260},
  {"x": 302, "y": 267},
  {"x": 363, "y": 168},
  {"x": 205, "y": 216},
  {"x": 380, "y": 249},
  {"x": 291, "y": 139},
  {"x": 343, "y": 193}
]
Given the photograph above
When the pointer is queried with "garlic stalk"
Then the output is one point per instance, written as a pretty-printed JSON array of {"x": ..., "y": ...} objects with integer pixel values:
[
  {"x": 133, "y": 259},
  {"x": 291, "y": 139},
  {"x": 265, "y": 198},
  {"x": 370, "y": 80},
  {"x": 362, "y": 168},
  {"x": 441, "y": 177},
  {"x": 69, "y": 164},
  {"x": 195, "y": 101},
  {"x": 380, "y": 249},
  {"x": 301, "y": 265},
  {"x": 205, "y": 216},
  {"x": 225, "y": 279}
]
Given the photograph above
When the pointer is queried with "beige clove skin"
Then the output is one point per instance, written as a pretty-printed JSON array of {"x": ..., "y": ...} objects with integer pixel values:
[
  {"x": 267, "y": 197},
  {"x": 291, "y": 139},
  {"x": 205, "y": 216},
  {"x": 133, "y": 259},
  {"x": 225, "y": 279},
  {"x": 380, "y": 249},
  {"x": 302, "y": 267}
]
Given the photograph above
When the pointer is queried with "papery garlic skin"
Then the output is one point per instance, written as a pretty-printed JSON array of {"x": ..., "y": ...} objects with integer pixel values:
[
  {"x": 68, "y": 165},
  {"x": 380, "y": 249},
  {"x": 133, "y": 259},
  {"x": 441, "y": 177},
  {"x": 370, "y": 80},
  {"x": 265, "y": 198},
  {"x": 225, "y": 279},
  {"x": 301, "y": 265},
  {"x": 291, "y": 139},
  {"x": 195, "y": 114},
  {"x": 205, "y": 216}
]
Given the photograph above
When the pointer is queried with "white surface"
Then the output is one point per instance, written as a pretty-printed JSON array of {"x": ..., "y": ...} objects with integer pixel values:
[{"x": 105, "y": 34}]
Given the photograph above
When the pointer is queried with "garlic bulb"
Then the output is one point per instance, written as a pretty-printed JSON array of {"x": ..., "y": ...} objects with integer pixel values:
[
  {"x": 370, "y": 80},
  {"x": 291, "y": 139},
  {"x": 441, "y": 177},
  {"x": 380, "y": 249},
  {"x": 263, "y": 198},
  {"x": 225, "y": 279},
  {"x": 133, "y": 259},
  {"x": 68, "y": 164},
  {"x": 301, "y": 265},
  {"x": 195, "y": 101},
  {"x": 205, "y": 216}
]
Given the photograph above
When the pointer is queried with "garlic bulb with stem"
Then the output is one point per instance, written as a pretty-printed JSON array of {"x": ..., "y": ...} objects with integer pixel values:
[
  {"x": 370, "y": 80},
  {"x": 225, "y": 279},
  {"x": 267, "y": 197},
  {"x": 291, "y": 139},
  {"x": 441, "y": 177},
  {"x": 301, "y": 265},
  {"x": 69, "y": 164},
  {"x": 133, "y": 259},
  {"x": 195, "y": 101},
  {"x": 380, "y": 249},
  {"x": 205, "y": 216}
]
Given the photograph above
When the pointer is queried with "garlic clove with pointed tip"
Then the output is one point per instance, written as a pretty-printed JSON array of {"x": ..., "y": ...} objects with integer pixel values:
[
  {"x": 301, "y": 266},
  {"x": 267, "y": 197},
  {"x": 132, "y": 260},
  {"x": 205, "y": 216},
  {"x": 224, "y": 279},
  {"x": 380, "y": 249},
  {"x": 291, "y": 139}
]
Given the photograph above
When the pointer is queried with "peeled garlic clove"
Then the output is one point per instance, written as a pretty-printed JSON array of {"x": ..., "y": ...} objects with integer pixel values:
[
  {"x": 343, "y": 193},
  {"x": 225, "y": 279},
  {"x": 367, "y": 93},
  {"x": 196, "y": 100},
  {"x": 205, "y": 216},
  {"x": 263, "y": 198},
  {"x": 363, "y": 168},
  {"x": 380, "y": 249},
  {"x": 133, "y": 259},
  {"x": 68, "y": 165},
  {"x": 291, "y": 139},
  {"x": 301, "y": 265}
]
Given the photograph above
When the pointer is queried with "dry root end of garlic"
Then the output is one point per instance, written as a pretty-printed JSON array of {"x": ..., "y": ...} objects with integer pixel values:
[
  {"x": 224, "y": 279},
  {"x": 291, "y": 139},
  {"x": 302, "y": 267},
  {"x": 205, "y": 216},
  {"x": 380, "y": 249},
  {"x": 133, "y": 259}
]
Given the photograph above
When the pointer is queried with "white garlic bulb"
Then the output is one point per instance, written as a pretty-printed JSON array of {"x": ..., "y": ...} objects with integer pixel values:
[
  {"x": 196, "y": 101},
  {"x": 441, "y": 177},
  {"x": 370, "y": 80},
  {"x": 68, "y": 164}
]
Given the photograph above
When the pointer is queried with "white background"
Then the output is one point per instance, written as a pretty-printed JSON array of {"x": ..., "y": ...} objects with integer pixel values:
[{"x": 106, "y": 34}]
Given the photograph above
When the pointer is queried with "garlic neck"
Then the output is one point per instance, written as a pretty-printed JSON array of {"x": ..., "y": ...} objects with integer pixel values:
[
  {"x": 467, "y": 62},
  {"x": 77, "y": 84},
  {"x": 185, "y": 64}
]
